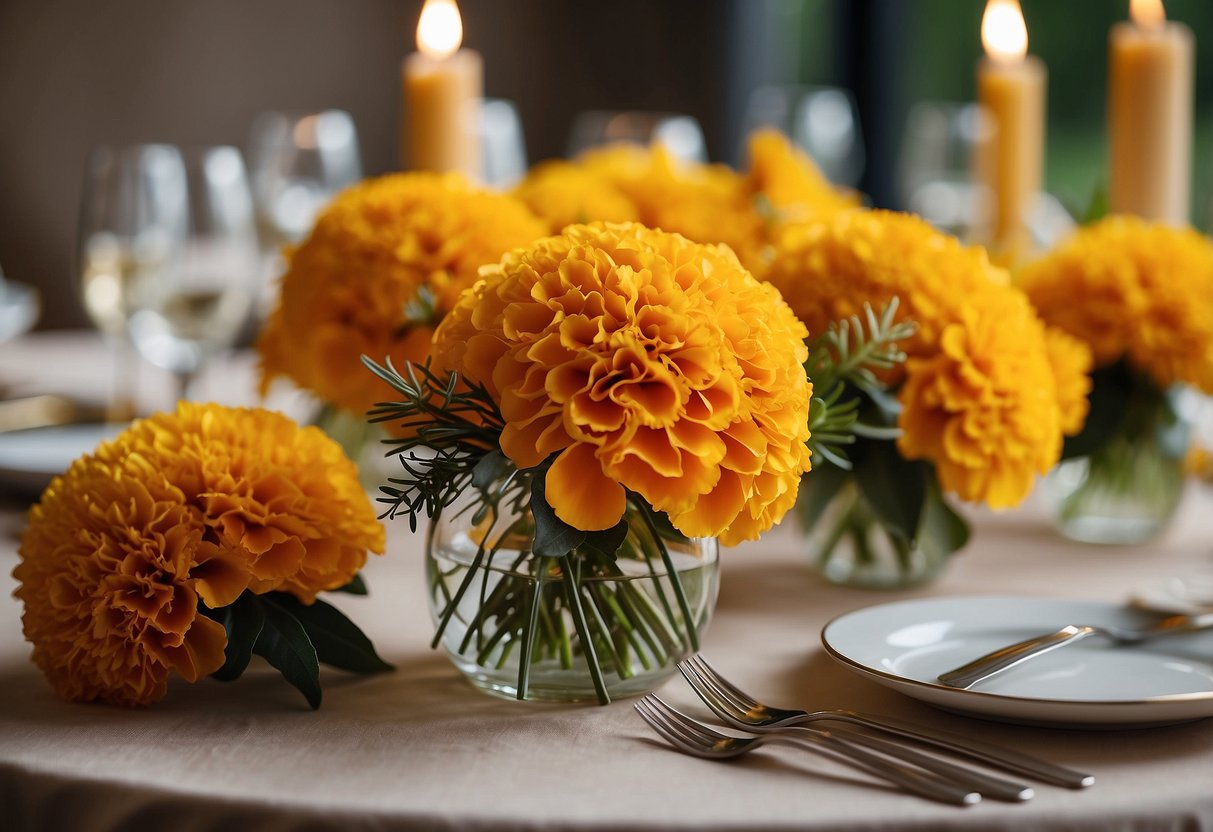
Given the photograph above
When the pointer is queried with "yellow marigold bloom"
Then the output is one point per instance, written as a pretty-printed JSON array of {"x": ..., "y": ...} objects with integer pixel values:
[
  {"x": 980, "y": 397},
  {"x": 382, "y": 252},
  {"x": 827, "y": 270},
  {"x": 565, "y": 193},
  {"x": 1135, "y": 290},
  {"x": 790, "y": 182},
  {"x": 984, "y": 407},
  {"x": 645, "y": 362},
  {"x": 1072, "y": 362},
  {"x": 198, "y": 504}
]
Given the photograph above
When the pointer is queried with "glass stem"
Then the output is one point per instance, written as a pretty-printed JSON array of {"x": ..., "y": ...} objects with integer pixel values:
[{"x": 184, "y": 381}]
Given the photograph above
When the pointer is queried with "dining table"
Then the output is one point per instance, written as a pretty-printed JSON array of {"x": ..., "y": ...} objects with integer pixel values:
[{"x": 421, "y": 748}]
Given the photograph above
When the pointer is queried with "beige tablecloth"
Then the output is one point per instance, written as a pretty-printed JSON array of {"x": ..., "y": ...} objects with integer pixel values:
[{"x": 421, "y": 749}]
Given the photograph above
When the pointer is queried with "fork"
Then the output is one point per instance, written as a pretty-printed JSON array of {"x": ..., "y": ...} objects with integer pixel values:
[
  {"x": 1004, "y": 658},
  {"x": 693, "y": 737},
  {"x": 741, "y": 710}
]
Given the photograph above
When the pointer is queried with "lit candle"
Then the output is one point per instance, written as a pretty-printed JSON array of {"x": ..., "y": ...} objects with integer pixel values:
[
  {"x": 1011, "y": 88},
  {"x": 1150, "y": 114},
  {"x": 443, "y": 86}
]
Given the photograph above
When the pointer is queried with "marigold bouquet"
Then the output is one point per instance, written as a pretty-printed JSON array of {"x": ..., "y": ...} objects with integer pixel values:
[
  {"x": 978, "y": 408},
  {"x": 1145, "y": 310},
  {"x": 598, "y": 400},
  {"x": 188, "y": 543}
]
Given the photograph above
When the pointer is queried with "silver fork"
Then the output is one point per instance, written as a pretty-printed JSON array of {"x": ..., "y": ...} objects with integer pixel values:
[
  {"x": 693, "y": 737},
  {"x": 743, "y": 711}
]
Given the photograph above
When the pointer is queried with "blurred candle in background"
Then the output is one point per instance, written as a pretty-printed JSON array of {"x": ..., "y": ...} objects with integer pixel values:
[
  {"x": 443, "y": 87},
  {"x": 1011, "y": 89},
  {"x": 1150, "y": 89}
]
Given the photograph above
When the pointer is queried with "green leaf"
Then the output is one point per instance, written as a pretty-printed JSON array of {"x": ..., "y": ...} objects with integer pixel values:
[
  {"x": 285, "y": 644},
  {"x": 942, "y": 530},
  {"x": 607, "y": 541},
  {"x": 1112, "y": 388},
  {"x": 554, "y": 538},
  {"x": 356, "y": 586},
  {"x": 336, "y": 639},
  {"x": 489, "y": 469},
  {"x": 817, "y": 488},
  {"x": 895, "y": 486},
  {"x": 243, "y": 621}
]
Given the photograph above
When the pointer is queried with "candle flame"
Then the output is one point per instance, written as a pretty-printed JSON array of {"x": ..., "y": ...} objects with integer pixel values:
[
  {"x": 1003, "y": 31},
  {"x": 1148, "y": 14},
  {"x": 439, "y": 29}
]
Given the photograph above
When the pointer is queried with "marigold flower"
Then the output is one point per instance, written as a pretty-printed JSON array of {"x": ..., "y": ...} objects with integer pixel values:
[
  {"x": 984, "y": 407},
  {"x": 384, "y": 262},
  {"x": 195, "y": 505},
  {"x": 646, "y": 362},
  {"x": 980, "y": 397},
  {"x": 705, "y": 203},
  {"x": 1145, "y": 292},
  {"x": 1072, "y": 362}
]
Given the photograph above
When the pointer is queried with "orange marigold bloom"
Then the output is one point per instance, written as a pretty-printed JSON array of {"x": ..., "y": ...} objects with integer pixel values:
[
  {"x": 195, "y": 505},
  {"x": 645, "y": 362},
  {"x": 963, "y": 401},
  {"x": 984, "y": 407},
  {"x": 705, "y": 203},
  {"x": 382, "y": 253},
  {"x": 1072, "y": 362},
  {"x": 1144, "y": 291}
]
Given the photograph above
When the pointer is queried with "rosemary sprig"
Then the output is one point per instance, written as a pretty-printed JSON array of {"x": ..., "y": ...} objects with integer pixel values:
[{"x": 844, "y": 360}]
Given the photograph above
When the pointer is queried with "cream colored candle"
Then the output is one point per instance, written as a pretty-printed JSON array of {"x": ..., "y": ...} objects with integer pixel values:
[
  {"x": 443, "y": 87},
  {"x": 1011, "y": 88},
  {"x": 1150, "y": 88}
]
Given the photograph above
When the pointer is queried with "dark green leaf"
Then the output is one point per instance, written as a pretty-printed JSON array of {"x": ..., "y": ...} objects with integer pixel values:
[
  {"x": 895, "y": 486},
  {"x": 554, "y": 538},
  {"x": 337, "y": 640},
  {"x": 817, "y": 489},
  {"x": 1111, "y": 389},
  {"x": 356, "y": 586},
  {"x": 489, "y": 469},
  {"x": 285, "y": 645},
  {"x": 942, "y": 530},
  {"x": 607, "y": 541},
  {"x": 243, "y": 620}
]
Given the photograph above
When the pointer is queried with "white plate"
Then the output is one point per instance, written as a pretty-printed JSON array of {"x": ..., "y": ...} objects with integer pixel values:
[
  {"x": 30, "y": 459},
  {"x": 906, "y": 645}
]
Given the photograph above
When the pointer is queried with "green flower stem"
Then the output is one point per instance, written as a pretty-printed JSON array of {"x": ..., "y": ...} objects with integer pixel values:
[
  {"x": 609, "y": 600},
  {"x": 604, "y": 631},
  {"x": 643, "y": 627},
  {"x": 528, "y": 634},
  {"x": 573, "y": 599},
  {"x": 688, "y": 621}
]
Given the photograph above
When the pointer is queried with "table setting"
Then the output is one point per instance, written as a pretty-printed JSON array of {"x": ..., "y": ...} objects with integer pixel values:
[{"x": 624, "y": 489}]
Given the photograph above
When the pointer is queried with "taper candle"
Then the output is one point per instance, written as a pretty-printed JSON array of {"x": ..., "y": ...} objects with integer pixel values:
[
  {"x": 1150, "y": 88},
  {"x": 443, "y": 87}
]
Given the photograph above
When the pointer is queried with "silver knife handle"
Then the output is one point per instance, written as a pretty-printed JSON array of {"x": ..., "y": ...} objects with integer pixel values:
[{"x": 965, "y": 676}]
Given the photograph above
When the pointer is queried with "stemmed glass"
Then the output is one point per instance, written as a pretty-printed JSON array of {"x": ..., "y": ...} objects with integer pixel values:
[
  {"x": 822, "y": 121},
  {"x": 298, "y": 162},
  {"x": 132, "y": 220},
  {"x": 681, "y": 134},
  {"x": 199, "y": 302}
]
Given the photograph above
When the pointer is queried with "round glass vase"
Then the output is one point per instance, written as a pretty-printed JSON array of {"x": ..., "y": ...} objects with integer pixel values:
[
  {"x": 585, "y": 627},
  {"x": 1128, "y": 490},
  {"x": 850, "y": 546}
]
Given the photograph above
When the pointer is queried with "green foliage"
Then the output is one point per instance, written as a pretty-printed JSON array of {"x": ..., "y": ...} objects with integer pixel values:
[
  {"x": 843, "y": 363},
  {"x": 293, "y": 637}
]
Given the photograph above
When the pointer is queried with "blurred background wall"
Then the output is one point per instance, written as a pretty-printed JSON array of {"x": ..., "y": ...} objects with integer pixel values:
[{"x": 75, "y": 74}]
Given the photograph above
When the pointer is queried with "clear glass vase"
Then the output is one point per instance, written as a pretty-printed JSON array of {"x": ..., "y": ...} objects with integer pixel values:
[
  {"x": 1124, "y": 493},
  {"x": 851, "y": 545},
  {"x": 586, "y": 627}
]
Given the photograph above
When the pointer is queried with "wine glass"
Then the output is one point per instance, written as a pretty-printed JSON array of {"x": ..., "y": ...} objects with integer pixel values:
[
  {"x": 502, "y": 143},
  {"x": 680, "y": 134},
  {"x": 298, "y": 163},
  {"x": 198, "y": 303},
  {"x": 132, "y": 218},
  {"x": 822, "y": 121}
]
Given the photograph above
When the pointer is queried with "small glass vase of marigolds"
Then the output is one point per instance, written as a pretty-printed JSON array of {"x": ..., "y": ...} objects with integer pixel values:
[
  {"x": 1147, "y": 317},
  {"x": 600, "y": 409}
]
